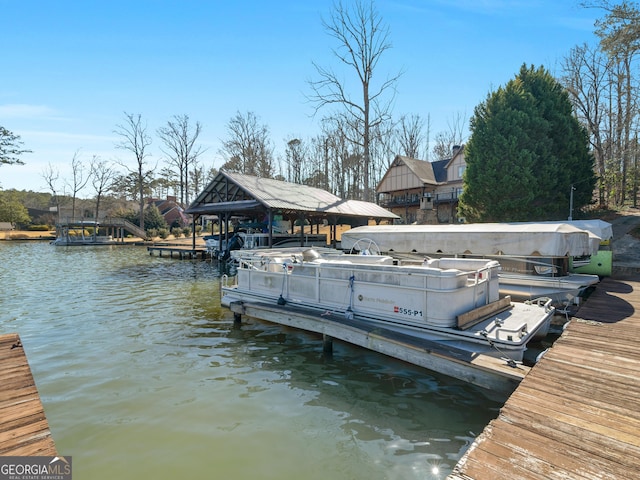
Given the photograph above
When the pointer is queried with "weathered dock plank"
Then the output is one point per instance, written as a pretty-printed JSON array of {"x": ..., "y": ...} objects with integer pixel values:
[
  {"x": 575, "y": 415},
  {"x": 24, "y": 429}
]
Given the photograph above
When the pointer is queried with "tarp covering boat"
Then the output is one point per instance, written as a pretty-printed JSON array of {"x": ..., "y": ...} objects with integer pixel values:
[
  {"x": 517, "y": 239},
  {"x": 596, "y": 227}
]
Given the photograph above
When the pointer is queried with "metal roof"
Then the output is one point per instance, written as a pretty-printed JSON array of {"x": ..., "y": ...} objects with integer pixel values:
[{"x": 231, "y": 191}]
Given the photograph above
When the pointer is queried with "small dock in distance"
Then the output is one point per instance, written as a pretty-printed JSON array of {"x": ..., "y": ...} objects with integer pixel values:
[
  {"x": 24, "y": 430},
  {"x": 183, "y": 252},
  {"x": 575, "y": 415}
]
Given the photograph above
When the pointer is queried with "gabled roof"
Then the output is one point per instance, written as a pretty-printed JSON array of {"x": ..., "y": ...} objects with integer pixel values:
[
  {"x": 458, "y": 150},
  {"x": 422, "y": 171},
  {"x": 236, "y": 192},
  {"x": 421, "y": 168},
  {"x": 440, "y": 170}
]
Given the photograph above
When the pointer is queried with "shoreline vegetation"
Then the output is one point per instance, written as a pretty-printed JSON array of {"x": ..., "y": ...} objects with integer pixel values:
[
  {"x": 17, "y": 235},
  {"x": 51, "y": 235}
]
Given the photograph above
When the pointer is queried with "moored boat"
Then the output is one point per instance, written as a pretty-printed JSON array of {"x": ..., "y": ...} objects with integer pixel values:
[
  {"x": 249, "y": 239},
  {"x": 534, "y": 257},
  {"x": 454, "y": 302},
  {"x": 80, "y": 233}
]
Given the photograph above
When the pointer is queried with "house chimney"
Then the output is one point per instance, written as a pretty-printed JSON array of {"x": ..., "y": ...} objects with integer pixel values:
[
  {"x": 171, "y": 198},
  {"x": 455, "y": 149}
]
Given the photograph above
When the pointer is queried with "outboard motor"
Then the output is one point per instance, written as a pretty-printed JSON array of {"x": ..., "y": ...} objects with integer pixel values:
[{"x": 235, "y": 243}]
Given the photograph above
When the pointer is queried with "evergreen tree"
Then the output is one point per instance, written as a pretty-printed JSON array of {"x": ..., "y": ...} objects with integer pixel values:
[
  {"x": 153, "y": 219},
  {"x": 525, "y": 153},
  {"x": 10, "y": 147}
]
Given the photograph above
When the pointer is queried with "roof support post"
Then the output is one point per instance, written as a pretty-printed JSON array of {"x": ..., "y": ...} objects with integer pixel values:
[
  {"x": 193, "y": 231},
  {"x": 226, "y": 230},
  {"x": 270, "y": 213},
  {"x": 301, "y": 220},
  {"x": 333, "y": 230}
]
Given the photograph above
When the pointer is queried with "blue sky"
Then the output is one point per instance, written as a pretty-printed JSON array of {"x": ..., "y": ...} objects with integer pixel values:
[{"x": 70, "y": 69}]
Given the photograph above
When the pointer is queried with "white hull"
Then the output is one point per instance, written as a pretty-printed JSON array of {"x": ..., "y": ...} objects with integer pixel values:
[
  {"x": 564, "y": 290},
  {"x": 70, "y": 240},
  {"x": 426, "y": 302}
]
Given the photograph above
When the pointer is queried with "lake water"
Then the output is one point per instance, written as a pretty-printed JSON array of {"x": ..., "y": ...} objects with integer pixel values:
[{"x": 143, "y": 375}]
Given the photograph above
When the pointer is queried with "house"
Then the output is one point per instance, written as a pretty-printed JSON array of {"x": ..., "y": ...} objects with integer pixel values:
[
  {"x": 423, "y": 192},
  {"x": 172, "y": 212}
]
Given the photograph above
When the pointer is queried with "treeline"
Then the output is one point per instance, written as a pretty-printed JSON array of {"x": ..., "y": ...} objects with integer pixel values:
[
  {"x": 359, "y": 134},
  {"x": 603, "y": 81}
]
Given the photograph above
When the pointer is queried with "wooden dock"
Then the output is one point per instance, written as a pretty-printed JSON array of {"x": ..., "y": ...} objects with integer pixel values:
[
  {"x": 182, "y": 252},
  {"x": 576, "y": 415},
  {"x": 482, "y": 370},
  {"x": 24, "y": 430}
]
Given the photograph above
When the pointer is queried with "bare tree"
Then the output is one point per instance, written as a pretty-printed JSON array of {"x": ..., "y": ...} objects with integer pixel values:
[
  {"x": 102, "y": 176},
  {"x": 166, "y": 181},
  {"x": 51, "y": 176},
  {"x": 135, "y": 140},
  {"x": 362, "y": 40},
  {"x": 586, "y": 77},
  {"x": 295, "y": 156},
  {"x": 78, "y": 181},
  {"x": 248, "y": 148},
  {"x": 179, "y": 139},
  {"x": 619, "y": 33},
  {"x": 343, "y": 158},
  {"x": 455, "y": 135},
  {"x": 198, "y": 178},
  {"x": 411, "y": 136}
]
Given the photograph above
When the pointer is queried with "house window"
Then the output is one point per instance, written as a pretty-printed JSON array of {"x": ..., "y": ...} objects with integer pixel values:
[{"x": 460, "y": 170}]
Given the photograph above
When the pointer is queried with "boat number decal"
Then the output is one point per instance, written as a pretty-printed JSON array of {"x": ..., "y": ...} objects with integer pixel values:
[{"x": 407, "y": 311}]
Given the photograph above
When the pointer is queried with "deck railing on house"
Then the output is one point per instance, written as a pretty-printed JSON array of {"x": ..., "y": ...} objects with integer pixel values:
[{"x": 390, "y": 201}]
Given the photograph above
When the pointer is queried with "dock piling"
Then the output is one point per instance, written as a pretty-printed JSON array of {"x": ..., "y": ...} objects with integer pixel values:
[{"x": 327, "y": 343}]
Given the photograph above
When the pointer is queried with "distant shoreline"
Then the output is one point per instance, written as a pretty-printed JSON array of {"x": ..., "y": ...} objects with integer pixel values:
[{"x": 27, "y": 235}]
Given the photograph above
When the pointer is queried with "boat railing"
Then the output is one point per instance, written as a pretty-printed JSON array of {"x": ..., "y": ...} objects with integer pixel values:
[
  {"x": 289, "y": 264},
  {"x": 481, "y": 275},
  {"x": 521, "y": 331}
]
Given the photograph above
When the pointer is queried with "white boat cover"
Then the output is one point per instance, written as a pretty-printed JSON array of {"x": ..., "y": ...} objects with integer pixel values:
[
  {"x": 519, "y": 239},
  {"x": 598, "y": 228}
]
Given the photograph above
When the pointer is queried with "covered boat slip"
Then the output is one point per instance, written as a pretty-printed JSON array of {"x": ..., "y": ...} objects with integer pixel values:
[
  {"x": 234, "y": 198},
  {"x": 454, "y": 302}
]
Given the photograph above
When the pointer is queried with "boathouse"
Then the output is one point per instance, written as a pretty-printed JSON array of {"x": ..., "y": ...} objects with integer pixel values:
[{"x": 231, "y": 195}]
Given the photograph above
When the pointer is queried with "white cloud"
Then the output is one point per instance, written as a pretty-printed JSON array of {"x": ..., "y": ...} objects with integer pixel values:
[
  {"x": 22, "y": 110},
  {"x": 66, "y": 137}
]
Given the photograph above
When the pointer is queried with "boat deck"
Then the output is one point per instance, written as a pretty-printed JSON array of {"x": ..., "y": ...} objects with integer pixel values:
[
  {"x": 24, "y": 430},
  {"x": 575, "y": 415}
]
